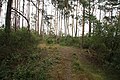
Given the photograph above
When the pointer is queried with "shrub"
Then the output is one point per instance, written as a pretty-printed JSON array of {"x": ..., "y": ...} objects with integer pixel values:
[
  {"x": 70, "y": 41},
  {"x": 50, "y": 39},
  {"x": 15, "y": 50},
  {"x": 107, "y": 49}
]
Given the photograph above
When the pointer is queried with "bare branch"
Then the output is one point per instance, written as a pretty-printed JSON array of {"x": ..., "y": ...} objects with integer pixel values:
[
  {"x": 35, "y": 5},
  {"x": 23, "y": 17}
]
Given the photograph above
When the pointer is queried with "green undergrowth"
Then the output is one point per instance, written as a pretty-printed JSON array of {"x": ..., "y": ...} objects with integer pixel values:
[
  {"x": 34, "y": 70},
  {"x": 64, "y": 40},
  {"x": 91, "y": 70},
  {"x": 70, "y": 41},
  {"x": 21, "y": 58},
  {"x": 87, "y": 70}
]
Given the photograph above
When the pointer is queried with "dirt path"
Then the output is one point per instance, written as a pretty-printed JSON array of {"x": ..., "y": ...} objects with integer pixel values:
[
  {"x": 63, "y": 69},
  {"x": 70, "y": 63}
]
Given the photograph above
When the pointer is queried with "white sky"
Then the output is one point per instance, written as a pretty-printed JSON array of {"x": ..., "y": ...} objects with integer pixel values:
[{"x": 50, "y": 10}]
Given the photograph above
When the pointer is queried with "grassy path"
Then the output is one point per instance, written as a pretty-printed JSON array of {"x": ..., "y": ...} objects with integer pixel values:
[
  {"x": 63, "y": 70},
  {"x": 71, "y": 64}
]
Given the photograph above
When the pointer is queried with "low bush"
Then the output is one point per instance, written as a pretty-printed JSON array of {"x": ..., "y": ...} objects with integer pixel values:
[
  {"x": 107, "y": 49},
  {"x": 16, "y": 49},
  {"x": 70, "y": 41},
  {"x": 64, "y": 40}
]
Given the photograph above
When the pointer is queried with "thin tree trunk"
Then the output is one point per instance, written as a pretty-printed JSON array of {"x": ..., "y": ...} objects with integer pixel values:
[
  {"x": 8, "y": 16},
  {"x": 42, "y": 21},
  {"x": 93, "y": 22},
  {"x": 61, "y": 25},
  {"x": 15, "y": 3},
  {"x": 65, "y": 25},
  {"x": 111, "y": 15},
  {"x": 76, "y": 20},
  {"x": 72, "y": 23},
  {"x": 83, "y": 26},
  {"x": 89, "y": 20},
  {"x": 28, "y": 13},
  {"x": 38, "y": 16},
  {"x": 118, "y": 24},
  {"x": 0, "y": 6},
  {"x": 18, "y": 17},
  {"x": 56, "y": 21},
  {"x": 100, "y": 15},
  {"x": 68, "y": 24},
  {"x": 57, "y": 26},
  {"x": 23, "y": 13},
  {"x": 41, "y": 33}
]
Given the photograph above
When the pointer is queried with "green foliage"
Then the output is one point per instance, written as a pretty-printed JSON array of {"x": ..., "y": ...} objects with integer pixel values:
[
  {"x": 105, "y": 41},
  {"x": 33, "y": 70},
  {"x": 17, "y": 42},
  {"x": 83, "y": 68},
  {"x": 51, "y": 40},
  {"x": 18, "y": 56},
  {"x": 23, "y": 39},
  {"x": 70, "y": 41},
  {"x": 65, "y": 41},
  {"x": 76, "y": 64}
]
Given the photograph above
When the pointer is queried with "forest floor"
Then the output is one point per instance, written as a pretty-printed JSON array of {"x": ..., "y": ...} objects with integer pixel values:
[{"x": 71, "y": 63}]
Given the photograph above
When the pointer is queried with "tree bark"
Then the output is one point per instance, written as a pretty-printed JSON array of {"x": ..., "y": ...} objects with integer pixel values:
[
  {"x": 8, "y": 16},
  {"x": 83, "y": 26},
  {"x": 76, "y": 20},
  {"x": 28, "y": 13},
  {"x": 89, "y": 20},
  {"x": 38, "y": 16},
  {"x": 41, "y": 33},
  {"x": 72, "y": 23},
  {"x": 23, "y": 13},
  {"x": 15, "y": 23},
  {"x": 0, "y": 6}
]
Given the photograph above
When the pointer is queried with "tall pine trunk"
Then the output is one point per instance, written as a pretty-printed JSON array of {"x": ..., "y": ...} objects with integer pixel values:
[
  {"x": 23, "y": 6},
  {"x": 76, "y": 20},
  {"x": 83, "y": 25},
  {"x": 28, "y": 13},
  {"x": 38, "y": 15},
  {"x": 89, "y": 20},
  {"x": 8, "y": 16},
  {"x": 15, "y": 22},
  {"x": 41, "y": 32},
  {"x": 72, "y": 24},
  {"x": 0, "y": 6}
]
